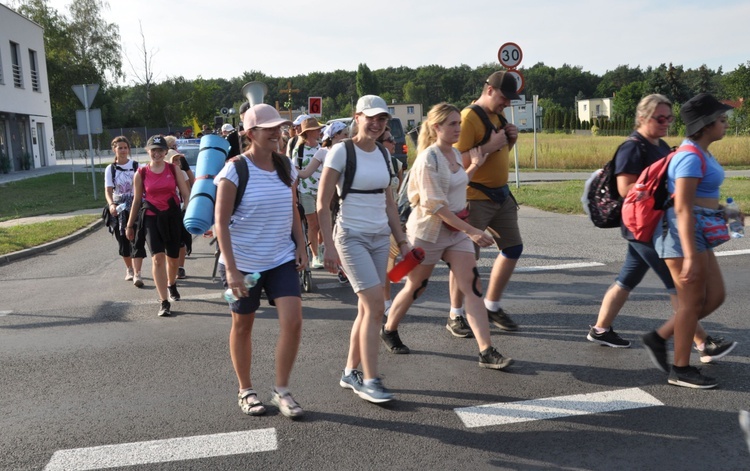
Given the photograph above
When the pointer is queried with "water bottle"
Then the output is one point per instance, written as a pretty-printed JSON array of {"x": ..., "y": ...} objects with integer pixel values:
[
  {"x": 732, "y": 211},
  {"x": 251, "y": 279},
  {"x": 402, "y": 268},
  {"x": 121, "y": 207}
]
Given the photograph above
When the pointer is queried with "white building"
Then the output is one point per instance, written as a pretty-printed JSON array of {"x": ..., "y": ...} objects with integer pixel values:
[
  {"x": 410, "y": 114},
  {"x": 523, "y": 116},
  {"x": 594, "y": 108},
  {"x": 26, "y": 136}
]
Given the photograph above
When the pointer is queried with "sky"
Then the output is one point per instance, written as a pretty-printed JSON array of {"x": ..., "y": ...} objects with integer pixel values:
[{"x": 223, "y": 39}]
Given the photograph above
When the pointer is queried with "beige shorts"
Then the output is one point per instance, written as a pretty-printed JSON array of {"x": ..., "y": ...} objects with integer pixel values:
[
  {"x": 500, "y": 219},
  {"x": 447, "y": 240},
  {"x": 308, "y": 202}
]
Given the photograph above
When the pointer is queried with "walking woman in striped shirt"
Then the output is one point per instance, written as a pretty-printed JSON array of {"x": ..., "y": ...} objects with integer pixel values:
[{"x": 259, "y": 237}]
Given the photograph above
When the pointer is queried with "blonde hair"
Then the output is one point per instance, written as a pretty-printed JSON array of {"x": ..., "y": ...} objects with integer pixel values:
[
  {"x": 647, "y": 106},
  {"x": 438, "y": 114},
  {"x": 170, "y": 141}
]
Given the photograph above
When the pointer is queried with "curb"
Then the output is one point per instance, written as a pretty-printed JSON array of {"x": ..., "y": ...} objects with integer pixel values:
[{"x": 30, "y": 252}]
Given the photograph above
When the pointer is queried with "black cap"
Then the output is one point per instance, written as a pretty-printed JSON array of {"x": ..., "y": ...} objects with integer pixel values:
[
  {"x": 157, "y": 142},
  {"x": 504, "y": 82},
  {"x": 244, "y": 107},
  {"x": 700, "y": 111}
]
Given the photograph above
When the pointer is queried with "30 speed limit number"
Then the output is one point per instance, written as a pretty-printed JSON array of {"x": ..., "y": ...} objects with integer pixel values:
[{"x": 510, "y": 55}]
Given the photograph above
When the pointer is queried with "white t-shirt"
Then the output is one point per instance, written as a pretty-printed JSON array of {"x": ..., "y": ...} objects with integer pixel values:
[
  {"x": 308, "y": 185},
  {"x": 261, "y": 228},
  {"x": 363, "y": 212},
  {"x": 123, "y": 182}
]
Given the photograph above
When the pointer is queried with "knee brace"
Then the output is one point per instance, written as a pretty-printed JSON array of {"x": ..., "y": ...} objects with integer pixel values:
[
  {"x": 418, "y": 292},
  {"x": 474, "y": 283},
  {"x": 513, "y": 253}
]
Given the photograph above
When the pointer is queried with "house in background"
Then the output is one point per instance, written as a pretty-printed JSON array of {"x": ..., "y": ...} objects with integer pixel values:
[
  {"x": 26, "y": 136},
  {"x": 409, "y": 113},
  {"x": 589, "y": 109}
]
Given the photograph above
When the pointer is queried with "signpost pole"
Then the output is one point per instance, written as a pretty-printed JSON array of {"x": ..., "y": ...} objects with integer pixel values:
[
  {"x": 515, "y": 147},
  {"x": 91, "y": 144},
  {"x": 533, "y": 113}
]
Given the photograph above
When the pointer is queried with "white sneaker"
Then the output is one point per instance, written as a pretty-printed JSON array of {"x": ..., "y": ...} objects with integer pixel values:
[
  {"x": 128, "y": 274},
  {"x": 317, "y": 262},
  {"x": 137, "y": 281}
]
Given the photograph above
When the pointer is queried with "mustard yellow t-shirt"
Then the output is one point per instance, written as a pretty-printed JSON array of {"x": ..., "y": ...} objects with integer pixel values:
[{"x": 494, "y": 172}]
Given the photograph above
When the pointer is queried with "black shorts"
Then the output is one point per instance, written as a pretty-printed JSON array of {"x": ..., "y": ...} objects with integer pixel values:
[
  {"x": 278, "y": 282},
  {"x": 155, "y": 242}
]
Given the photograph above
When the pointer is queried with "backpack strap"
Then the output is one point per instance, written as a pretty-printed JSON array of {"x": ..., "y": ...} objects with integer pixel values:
[
  {"x": 489, "y": 128},
  {"x": 300, "y": 155},
  {"x": 243, "y": 175}
]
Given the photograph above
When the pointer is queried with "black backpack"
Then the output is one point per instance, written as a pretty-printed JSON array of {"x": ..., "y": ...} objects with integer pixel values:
[
  {"x": 603, "y": 201},
  {"x": 243, "y": 175},
  {"x": 489, "y": 128},
  {"x": 116, "y": 167},
  {"x": 350, "y": 169}
]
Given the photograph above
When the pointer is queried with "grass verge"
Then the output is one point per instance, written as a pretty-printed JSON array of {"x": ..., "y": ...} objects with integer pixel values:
[{"x": 13, "y": 239}]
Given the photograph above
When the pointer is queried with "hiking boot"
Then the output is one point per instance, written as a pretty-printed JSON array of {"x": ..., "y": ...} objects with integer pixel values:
[
  {"x": 376, "y": 392},
  {"x": 715, "y": 348},
  {"x": 174, "y": 295},
  {"x": 502, "y": 320},
  {"x": 608, "y": 338},
  {"x": 137, "y": 280},
  {"x": 656, "y": 347},
  {"x": 166, "y": 309},
  {"x": 393, "y": 342},
  {"x": 181, "y": 275},
  {"x": 458, "y": 327},
  {"x": 128, "y": 274},
  {"x": 351, "y": 381},
  {"x": 691, "y": 377},
  {"x": 492, "y": 359}
]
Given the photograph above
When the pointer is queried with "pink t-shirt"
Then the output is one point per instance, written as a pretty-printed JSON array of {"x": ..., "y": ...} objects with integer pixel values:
[{"x": 158, "y": 188}]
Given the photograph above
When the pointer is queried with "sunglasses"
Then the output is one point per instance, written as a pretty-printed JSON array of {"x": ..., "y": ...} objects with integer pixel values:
[
  {"x": 663, "y": 119},
  {"x": 390, "y": 139}
]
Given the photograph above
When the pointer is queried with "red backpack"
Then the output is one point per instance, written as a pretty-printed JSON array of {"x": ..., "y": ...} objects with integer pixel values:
[{"x": 647, "y": 200}]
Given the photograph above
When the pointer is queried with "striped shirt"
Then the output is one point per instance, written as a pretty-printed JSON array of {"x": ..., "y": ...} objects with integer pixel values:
[{"x": 261, "y": 228}]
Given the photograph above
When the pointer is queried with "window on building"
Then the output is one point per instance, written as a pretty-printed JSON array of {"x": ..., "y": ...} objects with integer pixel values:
[
  {"x": 584, "y": 107},
  {"x": 34, "y": 71},
  {"x": 2, "y": 80},
  {"x": 409, "y": 110},
  {"x": 521, "y": 109},
  {"x": 598, "y": 108},
  {"x": 391, "y": 110},
  {"x": 411, "y": 123},
  {"x": 15, "y": 57}
]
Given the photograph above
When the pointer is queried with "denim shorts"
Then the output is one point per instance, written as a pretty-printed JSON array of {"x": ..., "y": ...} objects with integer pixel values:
[
  {"x": 363, "y": 256},
  {"x": 640, "y": 257},
  {"x": 667, "y": 239},
  {"x": 278, "y": 282}
]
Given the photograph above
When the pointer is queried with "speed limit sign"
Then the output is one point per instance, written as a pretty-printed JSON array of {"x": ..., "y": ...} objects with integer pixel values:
[{"x": 510, "y": 55}]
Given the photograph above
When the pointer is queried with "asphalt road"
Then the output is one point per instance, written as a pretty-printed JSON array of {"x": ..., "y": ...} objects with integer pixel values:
[{"x": 85, "y": 362}]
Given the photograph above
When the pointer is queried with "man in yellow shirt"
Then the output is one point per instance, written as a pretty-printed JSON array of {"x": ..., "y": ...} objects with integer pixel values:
[{"x": 491, "y": 205}]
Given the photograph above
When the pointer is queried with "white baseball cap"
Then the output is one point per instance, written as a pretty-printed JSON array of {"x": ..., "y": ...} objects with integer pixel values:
[
  {"x": 298, "y": 120},
  {"x": 372, "y": 105},
  {"x": 227, "y": 127}
]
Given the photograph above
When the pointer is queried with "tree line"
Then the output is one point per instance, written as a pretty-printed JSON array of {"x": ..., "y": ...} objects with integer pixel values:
[{"x": 83, "y": 48}]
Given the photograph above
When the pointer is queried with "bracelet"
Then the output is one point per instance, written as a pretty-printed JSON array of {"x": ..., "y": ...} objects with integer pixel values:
[
  {"x": 112, "y": 204},
  {"x": 403, "y": 242}
]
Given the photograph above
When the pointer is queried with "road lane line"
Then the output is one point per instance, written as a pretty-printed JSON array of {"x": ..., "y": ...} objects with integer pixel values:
[
  {"x": 5, "y": 313},
  {"x": 555, "y": 407},
  {"x": 163, "y": 451},
  {"x": 565, "y": 266},
  {"x": 728, "y": 253}
]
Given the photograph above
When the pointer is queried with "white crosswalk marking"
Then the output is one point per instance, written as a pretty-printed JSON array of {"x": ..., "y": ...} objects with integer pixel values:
[
  {"x": 162, "y": 451},
  {"x": 555, "y": 407}
]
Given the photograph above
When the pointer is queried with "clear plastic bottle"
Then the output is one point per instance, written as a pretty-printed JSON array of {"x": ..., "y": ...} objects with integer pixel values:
[
  {"x": 121, "y": 207},
  {"x": 732, "y": 211},
  {"x": 251, "y": 279}
]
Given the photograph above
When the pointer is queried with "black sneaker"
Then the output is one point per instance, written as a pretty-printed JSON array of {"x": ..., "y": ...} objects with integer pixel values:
[
  {"x": 492, "y": 359},
  {"x": 181, "y": 275},
  {"x": 715, "y": 348},
  {"x": 691, "y": 377},
  {"x": 459, "y": 328},
  {"x": 342, "y": 277},
  {"x": 393, "y": 342},
  {"x": 502, "y": 320},
  {"x": 165, "y": 309},
  {"x": 174, "y": 295},
  {"x": 608, "y": 338},
  {"x": 656, "y": 347}
]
